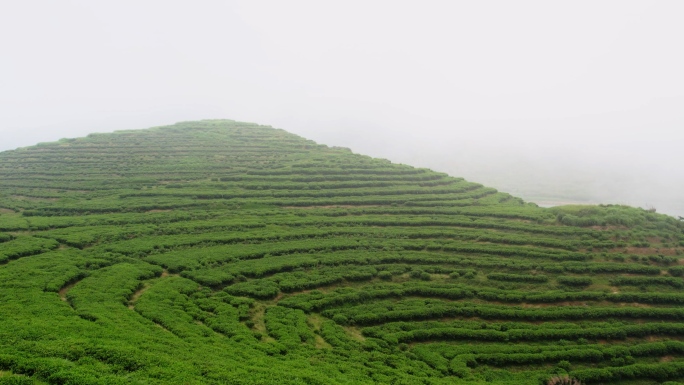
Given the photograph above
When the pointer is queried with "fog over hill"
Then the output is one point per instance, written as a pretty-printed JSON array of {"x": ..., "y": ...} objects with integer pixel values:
[
  {"x": 638, "y": 162},
  {"x": 555, "y": 102}
]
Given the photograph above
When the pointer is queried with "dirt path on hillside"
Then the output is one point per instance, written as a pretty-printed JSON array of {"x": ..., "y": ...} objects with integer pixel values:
[
  {"x": 65, "y": 289},
  {"x": 146, "y": 285},
  {"x": 136, "y": 295}
]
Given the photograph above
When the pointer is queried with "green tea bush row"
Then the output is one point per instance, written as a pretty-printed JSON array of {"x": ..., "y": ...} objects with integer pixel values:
[
  {"x": 647, "y": 281},
  {"x": 660, "y": 371},
  {"x": 574, "y": 281},
  {"x": 430, "y": 309},
  {"x": 24, "y": 246},
  {"x": 539, "y": 334},
  {"x": 518, "y": 277}
]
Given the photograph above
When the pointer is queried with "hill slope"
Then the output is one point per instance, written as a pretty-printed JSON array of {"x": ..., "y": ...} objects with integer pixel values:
[{"x": 222, "y": 252}]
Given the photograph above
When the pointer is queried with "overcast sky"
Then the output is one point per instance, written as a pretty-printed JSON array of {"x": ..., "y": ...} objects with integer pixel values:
[{"x": 515, "y": 94}]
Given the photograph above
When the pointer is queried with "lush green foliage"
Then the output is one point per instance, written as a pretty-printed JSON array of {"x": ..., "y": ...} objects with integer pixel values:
[{"x": 221, "y": 252}]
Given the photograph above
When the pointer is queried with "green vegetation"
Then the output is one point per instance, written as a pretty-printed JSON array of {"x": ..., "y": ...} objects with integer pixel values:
[{"x": 221, "y": 252}]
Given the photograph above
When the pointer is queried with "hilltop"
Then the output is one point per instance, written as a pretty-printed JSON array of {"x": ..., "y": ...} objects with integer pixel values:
[{"x": 223, "y": 252}]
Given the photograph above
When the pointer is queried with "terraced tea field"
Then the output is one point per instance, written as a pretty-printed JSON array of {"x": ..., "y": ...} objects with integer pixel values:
[{"x": 221, "y": 252}]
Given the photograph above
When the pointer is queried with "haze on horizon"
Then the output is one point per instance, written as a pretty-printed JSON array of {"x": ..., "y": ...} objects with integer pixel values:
[{"x": 555, "y": 102}]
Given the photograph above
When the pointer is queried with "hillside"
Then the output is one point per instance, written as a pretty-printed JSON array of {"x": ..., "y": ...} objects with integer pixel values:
[{"x": 219, "y": 252}]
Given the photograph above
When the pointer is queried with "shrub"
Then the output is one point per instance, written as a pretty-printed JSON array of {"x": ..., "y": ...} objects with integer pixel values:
[
  {"x": 386, "y": 275},
  {"x": 574, "y": 281}
]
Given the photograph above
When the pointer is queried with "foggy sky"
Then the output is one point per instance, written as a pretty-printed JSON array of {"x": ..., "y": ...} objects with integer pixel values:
[{"x": 581, "y": 99}]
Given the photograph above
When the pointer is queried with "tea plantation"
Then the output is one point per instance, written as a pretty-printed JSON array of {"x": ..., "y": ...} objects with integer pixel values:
[{"x": 220, "y": 252}]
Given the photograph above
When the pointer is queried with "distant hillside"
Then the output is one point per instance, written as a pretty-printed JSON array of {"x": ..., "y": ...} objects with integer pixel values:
[{"x": 220, "y": 252}]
